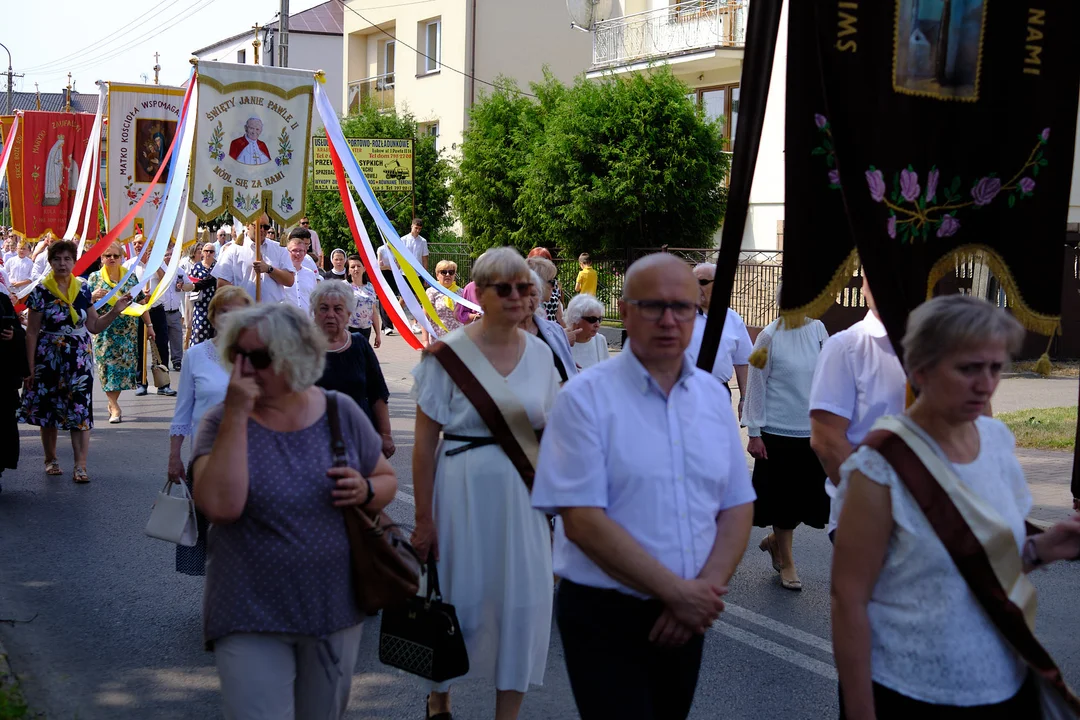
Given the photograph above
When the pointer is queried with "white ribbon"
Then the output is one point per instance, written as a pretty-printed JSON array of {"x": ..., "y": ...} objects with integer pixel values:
[
  {"x": 87, "y": 175},
  {"x": 9, "y": 145}
]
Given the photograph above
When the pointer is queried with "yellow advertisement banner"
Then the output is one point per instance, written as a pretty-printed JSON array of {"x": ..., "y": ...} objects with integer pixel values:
[{"x": 387, "y": 163}]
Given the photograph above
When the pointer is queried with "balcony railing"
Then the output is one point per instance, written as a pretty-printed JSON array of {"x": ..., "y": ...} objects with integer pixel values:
[
  {"x": 377, "y": 91},
  {"x": 666, "y": 32}
]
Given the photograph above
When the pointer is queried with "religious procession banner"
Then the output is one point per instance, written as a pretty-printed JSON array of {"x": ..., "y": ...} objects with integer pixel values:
[
  {"x": 43, "y": 172},
  {"x": 251, "y": 142},
  {"x": 926, "y": 131},
  {"x": 142, "y": 122},
  {"x": 14, "y": 176},
  {"x": 387, "y": 163}
]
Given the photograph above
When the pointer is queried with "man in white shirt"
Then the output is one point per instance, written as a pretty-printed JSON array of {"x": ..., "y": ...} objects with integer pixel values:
[
  {"x": 641, "y": 459},
  {"x": 21, "y": 267},
  {"x": 238, "y": 266},
  {"x": 306, "y": 278},
  {"x": 137, "y": 244},
  {"x": 733, "y": 354},
  {"x": 858, "y": 379},
  {"x": 315, "y": 246},
  {"x": 9, "y": 248},
  {"x": 416, "y": 244}
]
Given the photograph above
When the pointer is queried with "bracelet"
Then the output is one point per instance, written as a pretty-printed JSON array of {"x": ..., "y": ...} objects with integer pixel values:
[{"x": 370, "y": 493}]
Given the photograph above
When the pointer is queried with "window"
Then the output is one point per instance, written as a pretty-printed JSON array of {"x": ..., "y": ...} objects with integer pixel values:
[
  {"x": 433, "y": 46},
  {"x": 241, "y": 56},
  {"x": 389, "y": 50},
  {"x": 721, "y": 102},
  {"x": 431, "y": 129}
]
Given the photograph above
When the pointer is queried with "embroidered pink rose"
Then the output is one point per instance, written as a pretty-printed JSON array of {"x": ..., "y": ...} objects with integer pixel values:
[
  {"x": 986, "y": 190},
  {"x": 876, "y": 182},
  {"x": 909, "y": 185},
  {"x": 949, "y": 226},
  {"x": 1026, "y": 184}
]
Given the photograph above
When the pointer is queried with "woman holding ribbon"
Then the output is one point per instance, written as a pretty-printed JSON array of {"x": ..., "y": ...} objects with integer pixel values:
[
  {"x": 446, "y": 274},
  {"x": 116, "y": 347},
  {"x": 203, "y": 285},
  {"x": 57, "y": 395}
]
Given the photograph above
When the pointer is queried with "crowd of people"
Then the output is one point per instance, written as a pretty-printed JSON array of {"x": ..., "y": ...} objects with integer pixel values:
[{"x": 622, "y": 476}]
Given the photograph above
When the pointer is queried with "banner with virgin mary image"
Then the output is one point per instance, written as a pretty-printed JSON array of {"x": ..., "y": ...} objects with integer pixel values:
[
  {"x": 44, "y": 173},
  {"x": 923, "y": 132},
  {"x": 142, "y": 122},
  {"x": 251, "y": 142}
]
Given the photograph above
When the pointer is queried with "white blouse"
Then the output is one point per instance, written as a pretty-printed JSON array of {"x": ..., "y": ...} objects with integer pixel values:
[
  {"x": 588, "y": 353},
  {"x": 930, "y": 638},
  {"x": 203, "y": 382},
  {"x": 778, "y": 395}
]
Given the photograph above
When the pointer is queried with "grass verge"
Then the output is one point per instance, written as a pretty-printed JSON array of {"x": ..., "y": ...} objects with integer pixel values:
[{"x": 1043, "y": 428}]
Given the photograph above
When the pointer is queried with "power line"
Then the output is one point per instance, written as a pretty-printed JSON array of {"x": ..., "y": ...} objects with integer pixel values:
[
  {"x": 438, "y": 62},
  {"x": 105, "y": 40}
]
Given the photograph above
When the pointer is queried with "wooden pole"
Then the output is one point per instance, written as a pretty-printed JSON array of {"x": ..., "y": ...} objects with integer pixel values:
[
  {"x": 412, "y": 178},
  {"x": 258, "y": 258}
]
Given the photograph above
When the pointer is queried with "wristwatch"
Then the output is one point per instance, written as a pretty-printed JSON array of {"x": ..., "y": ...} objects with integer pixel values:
[{"x": 269, "y": 269}]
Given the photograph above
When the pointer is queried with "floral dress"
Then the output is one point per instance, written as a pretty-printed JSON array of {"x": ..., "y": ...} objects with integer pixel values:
[
  {"x": 442, "y": 309},
  {"x": 364, "y": 314},
  {"x": 201, "y": 329},
  {"x": 60, "y": 393},
  {"x": 116, "y": 347}
]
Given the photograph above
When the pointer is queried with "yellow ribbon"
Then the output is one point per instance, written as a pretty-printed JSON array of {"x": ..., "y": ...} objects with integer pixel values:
[
  {"x": 49, "y": 283},
  {"x": 418, "y": 288}
]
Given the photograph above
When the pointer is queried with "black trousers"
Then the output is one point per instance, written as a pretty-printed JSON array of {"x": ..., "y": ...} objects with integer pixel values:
[
  {"x": 388, "y": 276},
  {"x": 161, "y": 332},
  {"x": 615, "y": 672},
  {"x": 891, "y": 705}
]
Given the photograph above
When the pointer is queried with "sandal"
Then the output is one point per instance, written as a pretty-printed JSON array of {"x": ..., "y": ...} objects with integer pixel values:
[
  {"x": 52, "y": 467},
  {"x": 79, "y": 475},
  {"x": 116, "y": 419},
  {"x": 790, "y": 583}
]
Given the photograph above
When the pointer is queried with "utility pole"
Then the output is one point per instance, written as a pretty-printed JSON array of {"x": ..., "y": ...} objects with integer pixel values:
[
  {"x": 283, "y": 34},
  {"x": 257, "y": 42},
  {"x": 157, "y": 67},
  {"x": 67, "y": 107},
  {"x": 10, "y": 77}
]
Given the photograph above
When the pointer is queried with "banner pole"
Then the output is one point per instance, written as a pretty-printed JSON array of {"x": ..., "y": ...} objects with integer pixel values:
[{"x": 258, "y": 258}]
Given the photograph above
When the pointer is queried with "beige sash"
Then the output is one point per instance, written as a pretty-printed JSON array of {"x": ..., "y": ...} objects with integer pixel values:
[{"x": 499, "y": 390}]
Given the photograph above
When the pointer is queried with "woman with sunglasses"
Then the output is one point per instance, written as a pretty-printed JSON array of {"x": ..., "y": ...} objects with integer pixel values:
[
  {"x": 116, "y": 347},
  {"x": 493, "y": 550},
  {"x": 584, "y": 314},
  {"x": 204, "y": 285},
  {"x": 446, "y": 274},
  {"x": 554, "y": 335},
  {"x": 279, "y": 610},
  {"x": 203, "y": 380}
]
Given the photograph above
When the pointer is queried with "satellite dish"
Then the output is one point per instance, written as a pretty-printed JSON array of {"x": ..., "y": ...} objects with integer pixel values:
[{"x": 585, "y": 14}]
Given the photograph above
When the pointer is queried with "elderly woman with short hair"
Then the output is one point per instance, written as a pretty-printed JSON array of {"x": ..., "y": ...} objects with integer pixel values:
[
  {"x": 351, "y": 365},
  {"x": 446, "y": 274},
  {"x": 473, "y": 511},
  {"x": 554, "y": 335},
  {"x": 550, "y": 293},
  {"x": 279, "y": 609},
  {"x": 583, "y": 314},
  {"x": 910, "y": 636}
]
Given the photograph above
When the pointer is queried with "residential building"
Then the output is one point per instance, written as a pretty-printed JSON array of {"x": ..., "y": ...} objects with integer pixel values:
[
  {"x": 702, "y": 42},
  {"x": 314, "y": 44},
  {"x": 424, "y": 56}
]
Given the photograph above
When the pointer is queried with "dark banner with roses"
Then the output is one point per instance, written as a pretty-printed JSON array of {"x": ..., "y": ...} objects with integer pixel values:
[{"x": 920, "y": 131}]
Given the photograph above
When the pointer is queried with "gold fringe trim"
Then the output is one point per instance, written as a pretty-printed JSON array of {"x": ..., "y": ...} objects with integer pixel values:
[
  {"x": 797, "y": 317},
  {"x": 1031, "y": 320}
]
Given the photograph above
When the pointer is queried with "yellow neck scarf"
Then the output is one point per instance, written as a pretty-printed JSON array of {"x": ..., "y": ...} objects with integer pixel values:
[
  {"x": 49, "y": 283},
  {"x": 454, "y": 289},
  {"x": 108, "y": 281}
]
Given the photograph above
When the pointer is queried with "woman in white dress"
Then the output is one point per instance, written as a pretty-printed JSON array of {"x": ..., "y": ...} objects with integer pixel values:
[
  {"x": 203, "y": 382},
  {"x": 473, "y": 509},
  {"x": 583, "y": 316}
]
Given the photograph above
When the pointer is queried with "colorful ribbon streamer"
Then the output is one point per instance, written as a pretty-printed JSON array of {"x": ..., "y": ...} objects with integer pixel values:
[
  {"x": 417, "y": 288},
  {"x": 88, "y": 172},
  {"x": 9, "y": 145}
]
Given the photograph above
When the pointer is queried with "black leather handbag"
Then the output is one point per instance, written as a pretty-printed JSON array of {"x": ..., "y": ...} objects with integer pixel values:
[{"x": 423, "y": 637}]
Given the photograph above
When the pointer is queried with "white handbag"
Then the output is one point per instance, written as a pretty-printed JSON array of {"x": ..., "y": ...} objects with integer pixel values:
[{"x": 173, "y": 517}]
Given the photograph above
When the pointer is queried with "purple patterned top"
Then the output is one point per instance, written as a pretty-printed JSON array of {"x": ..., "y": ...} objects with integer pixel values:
[{"x": 284, "y": 566}]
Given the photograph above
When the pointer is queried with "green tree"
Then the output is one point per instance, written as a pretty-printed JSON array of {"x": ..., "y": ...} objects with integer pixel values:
[
  {"x": 505, "y": 127},
  {"x": 432, "y": 184}
]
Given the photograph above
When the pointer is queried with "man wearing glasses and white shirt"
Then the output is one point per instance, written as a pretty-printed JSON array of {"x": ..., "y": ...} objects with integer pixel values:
[
  {"x": 238, "y": 266},
  {"x": 733, "y": 355},
  {"x": 316, "y": 246},
  {"x": 641, "y": 459}
]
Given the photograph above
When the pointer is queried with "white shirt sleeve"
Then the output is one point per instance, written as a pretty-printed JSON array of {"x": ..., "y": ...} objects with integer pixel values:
[
  {"x": 754, "y": 414},
  {"x": 422, "y": 244},
  {"x": 280, "y": 258},
  {"x": 833, "y": 389},
  {"x": 571, "y": 471},
  {"x": 740, "y": 489},
  {"x": 225, "y": 268},
  {"x": 743, "y": 346},
  {"x": 185, "y": 399}
]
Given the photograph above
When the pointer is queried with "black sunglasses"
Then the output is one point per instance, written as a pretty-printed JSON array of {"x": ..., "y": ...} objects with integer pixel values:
[
  {"x": 503, "y": 290},
  {"x": 109, "y": 255},
  {"x": 211, "y": 250},
  {"x": 703, "y": 282},
  {"x": 263, "y": 227},
  {"x": 448, "y": 272},
  {"x": 590, "y": 318},
  {"x": 260, "y": 359},
  {"x": 303, "y": 222}
]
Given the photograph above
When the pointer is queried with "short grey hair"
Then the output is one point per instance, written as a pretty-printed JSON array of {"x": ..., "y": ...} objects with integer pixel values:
[
  {"x": 709, "y": 268},
  {"x": 948, "y": 323},
  {"x": 583, "y": 304},
  {"x": 254, "y": 119},
  {"x": 542, "y": 267},
  {"x": 498, "y": 264},
  {"x": 297, "y": 348},
  {"x": 333, "y": 289},
  {"x": 537, "y": 281}
]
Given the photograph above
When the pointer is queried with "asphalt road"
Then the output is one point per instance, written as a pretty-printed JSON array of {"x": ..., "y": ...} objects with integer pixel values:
[{"x": 102, "y": 627}]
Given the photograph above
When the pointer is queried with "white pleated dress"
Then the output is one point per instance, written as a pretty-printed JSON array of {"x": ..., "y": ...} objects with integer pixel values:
[{"x": 494, "y": 548}]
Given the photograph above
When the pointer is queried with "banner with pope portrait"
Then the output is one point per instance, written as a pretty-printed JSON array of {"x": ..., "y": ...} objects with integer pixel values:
[{"x": 251, "y": 142}]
